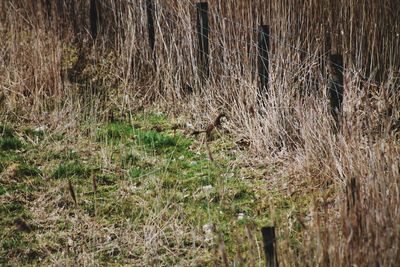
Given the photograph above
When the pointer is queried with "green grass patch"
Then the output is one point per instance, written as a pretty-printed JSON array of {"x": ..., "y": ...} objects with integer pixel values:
[
  {"x": 149, "y": 140},
  {"x": 11, "y": 209},
  {"x": 106, "y": 179},
  {"x": 10, "y": 143},
  {"x": 6, "y": 131},
  {"x": 152, "y": 119},
  {"x": 68, "y": 155},
  {"x": 161, "y": 142},
  {"x": 7, "y": 158},
  {"x": 115, "y": 132},
  {"x": 155, "y": 140},
  {"x": 28, "y": 170},
  {"x": 71, "y": 170},
  {"x": 3, "y": 190},
  {"x": 38, "y": 133},
  {"x": 129, "y": 159},
  {"x": 148, "y": 175},
  {"x": 135, "y": 173}
]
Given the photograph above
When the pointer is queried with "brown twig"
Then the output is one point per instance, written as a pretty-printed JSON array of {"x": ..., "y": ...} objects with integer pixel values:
[{"x": 72, "y": 191}]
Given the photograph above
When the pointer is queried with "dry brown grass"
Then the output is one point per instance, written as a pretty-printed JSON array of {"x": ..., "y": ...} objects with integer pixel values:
[{"x": 58, "y": 75}]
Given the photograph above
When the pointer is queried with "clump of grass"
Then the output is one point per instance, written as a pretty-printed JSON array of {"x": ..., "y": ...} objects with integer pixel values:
[
  {"x": 154, "y": 139},
  {"x": 106, "y": 179},
  {"x": 16, "y": 239},
  {"x": 10, "y": 143},
  {"x": 70, "y": 170},
  {"x": 38, "y": 133},
  {"x": 7, "y": 158},
  {"x": 129, "y": 159},
  {"x": 3, "y": 190},
  {"x": 161, "y": 141},
  {"x": 6, "y": 131},
  {"x": 120, "y": 132},
  {"x": 135, "y": 173},
  {"x": 152, "y": 119},
  {"x": 68, "y": 155},
  {"x": 8, "y": 140},
  {"x": 28, "y": 170},
  {"x": 115, "y": 132}
]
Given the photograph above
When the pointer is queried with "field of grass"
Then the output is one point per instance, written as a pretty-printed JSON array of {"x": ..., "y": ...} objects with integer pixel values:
[
  {"x": 100, "y": 163},
  {"x": 140, "y": 192}
]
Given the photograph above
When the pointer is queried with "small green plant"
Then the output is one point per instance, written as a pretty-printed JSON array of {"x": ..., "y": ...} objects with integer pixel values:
[{"x": 135, "y": 173}]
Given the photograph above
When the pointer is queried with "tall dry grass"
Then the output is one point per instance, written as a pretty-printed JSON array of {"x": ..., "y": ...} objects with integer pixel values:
[{"x": 52, "y": 70}]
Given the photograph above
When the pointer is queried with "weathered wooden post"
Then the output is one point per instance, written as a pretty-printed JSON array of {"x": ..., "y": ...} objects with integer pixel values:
[
  {"x": 336, "y": 87},
  {"x": 94, "y": 18},
  {"x": 150, "y": 28},
  {"x": 352, "y": 193},
  {"x": 202, "y": 31},
  {"x": 59, "y": 15},
  {"x": 263, "y": 60},
  {"x": 150, "y": 24},
  {"x": 48, "y": 11},
  {"x": 269, "y": 240}
]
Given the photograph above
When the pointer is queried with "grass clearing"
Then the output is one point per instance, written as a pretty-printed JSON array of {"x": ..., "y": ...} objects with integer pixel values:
[{"x": 143, "y": 196}]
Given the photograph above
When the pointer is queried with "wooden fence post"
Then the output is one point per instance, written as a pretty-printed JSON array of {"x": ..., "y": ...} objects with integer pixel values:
[
  {"x": 94, "y": 18},
  {"x": 150, "y": 25},
  {"x": 352, "y": 192},
  {"x": 202, "y": 31},
  {"x": 269, "y": 240},
  {"x": 336, "y": 87},
  {"x": 263, "y": 60},
  {"x": 48, "y": 11}
]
